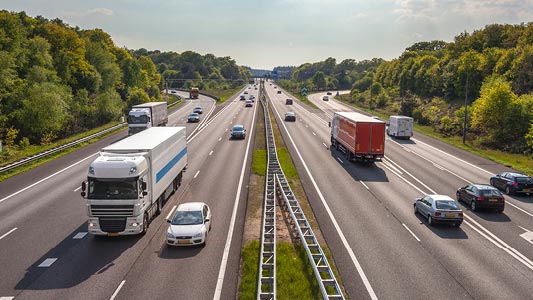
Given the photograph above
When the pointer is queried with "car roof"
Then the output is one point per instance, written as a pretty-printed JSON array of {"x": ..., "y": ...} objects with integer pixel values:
[
  {"x": 193, "y": 114},
  {"x": 190, "y": 206},
  {"x": 238, "y": 126},
  {"x": 440, "y": 197},
  {"x": 290, "y": 113},
  {"x": 197, "y": 106},
  {"x": 518, "y": 174},
  {"x": 484, "y": 187}
]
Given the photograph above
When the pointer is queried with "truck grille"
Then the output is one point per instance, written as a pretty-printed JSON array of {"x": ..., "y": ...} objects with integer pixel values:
[
  {"x": 112, "y": 210},
  {"x": 112, "y": 224}
]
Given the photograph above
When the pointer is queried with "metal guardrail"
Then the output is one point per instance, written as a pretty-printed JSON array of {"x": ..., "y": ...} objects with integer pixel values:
[
  {"x": 267, "y": 259},
  {"x": 328, "y": 284},
  {"x": 57, "y": 149},
  {"x": 31, "y": 158}
]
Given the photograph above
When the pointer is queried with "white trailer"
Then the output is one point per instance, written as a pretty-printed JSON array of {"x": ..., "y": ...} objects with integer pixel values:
[
  {"x": 400, "y": 127},
  {"x": 128, "y": 183},
  {"x": 146, "y": 115}
]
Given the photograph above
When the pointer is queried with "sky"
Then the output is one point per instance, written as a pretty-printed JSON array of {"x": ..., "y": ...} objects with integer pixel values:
[{"x": 269, "y": 33}]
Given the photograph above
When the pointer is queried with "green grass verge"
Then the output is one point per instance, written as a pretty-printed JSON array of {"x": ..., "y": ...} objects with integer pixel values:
[
  {"x": 522, "y": 163},
  {"x": 286, "y": 163},
  {"x": 294, "y": 273},
  {"x": 259, "y": 164},
  {"x": 305, "y": 100},
  {"x": 223, "y": 94}
]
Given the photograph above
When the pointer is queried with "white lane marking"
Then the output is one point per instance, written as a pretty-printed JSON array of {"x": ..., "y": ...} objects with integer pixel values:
[
  {"x": 7, "y": 233},
  {"x": 406, "y": 172},
  {"x": 210, "y": 153},
  {"x": 7, "y": 298},
  {"x": 204, "y": 125},
  {"x": 222, "y": 271},
  {"x": 366, "y": 186},
  {"x": 226, "y": 129},
  {"x": 438, "y": 167},
  {"x": 356, "y": 263},
  {"x": 170, "y": 213},
  {"x": 46, "y": 178},
  {"x": 340, "y": 160},
  {"x": 77, "y": 189},
  {"x": 412, "y": 233},
  {"x": 314, "y": 133},
  {"x": 391, "y": 166},
  {"x": 325, "y": 145},
  {"x": 517, "y": 207},
  {"x": 47, "y": 262},
  {"x": 404, "y": 148},
  {"x": 196, "y": 175},
  {"x": 231, "y": 122},
  {"x": 527, "y": 235},
  {"x": 220, "y": 139},
  {"x": 463, "y": 161},
  {"x": 117, "y": 290},
  {"x": 79, "y": 235}
]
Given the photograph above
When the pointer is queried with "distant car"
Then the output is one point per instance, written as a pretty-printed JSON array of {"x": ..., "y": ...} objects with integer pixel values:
[
  {"x": 249, "y": 103},
  {"x": 173, "y": 92},
  {"x": 279, "y": 91},
  {"x": 252, "y": 97},
  {"x": 439, "y": 209},
  {"x": 255, "y": 88},
  {"x": 193, "y": 117},
  {"x": 288, "y": 101},
  {"x": 275, "y": 87},
  {"x": 238, "y": 131},
  {"x": 290, "y": 116},
  {"x": 189, "y": 225},
  {"x": 512, "y": 183},
  {"x": 325, "y": 98},
  {"x": 197, "y": 109},
  {"x": 481, "y": 196},
  {"x": 242, "y": 97},
  {"x": 246, "y": 92},
  {"x": 328, "y": 93}
]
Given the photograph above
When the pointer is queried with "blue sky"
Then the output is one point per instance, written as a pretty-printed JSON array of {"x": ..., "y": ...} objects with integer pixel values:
[{"x": 268, "y": 33}]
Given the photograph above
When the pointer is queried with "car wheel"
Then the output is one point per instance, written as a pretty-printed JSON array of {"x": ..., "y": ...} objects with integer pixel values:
[
  {"x": 430, "y": 220},
  {"x": 492, "y": 182},
  {"x": 473, "y": 205},
  {"x": 500, "y": 210},
  {"x": 508, "y": 190},
  {"x": 205, "y": 240},
  {"x": 458, "y": 196},
  {"x": 457, "y": 224},
  {"x": 416, "y": 209}
]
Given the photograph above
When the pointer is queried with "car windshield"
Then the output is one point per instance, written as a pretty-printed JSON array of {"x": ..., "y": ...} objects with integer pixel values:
[
  {"x": 187, "y": 218},
  {"x": 238, "y": 128},
  {"x": 490, "y": 193},
  {"x": 100, "y": 188},
  {"x": 524, "y": 180},
  {"x": 446, "y": 204}
]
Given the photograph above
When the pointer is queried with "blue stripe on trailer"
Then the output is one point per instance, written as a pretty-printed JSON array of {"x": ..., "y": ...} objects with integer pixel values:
[{"x": 170, "y": 165}]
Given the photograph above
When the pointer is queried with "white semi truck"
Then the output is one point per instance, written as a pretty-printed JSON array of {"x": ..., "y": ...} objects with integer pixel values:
[
  {"x": 128, "y": 183},
  {"x": 146, "y": 115},
  {"x": 400, "y": 127}
]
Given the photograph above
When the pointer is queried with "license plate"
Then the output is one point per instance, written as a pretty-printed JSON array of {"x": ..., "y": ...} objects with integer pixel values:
[
  {"x": 526, "y": 190},
  {"x": 450, "y": 215},
  {"x": 112, "y": 234},
  {"x": 184, "y": 242},
  {"x": 493, "y": 200}
]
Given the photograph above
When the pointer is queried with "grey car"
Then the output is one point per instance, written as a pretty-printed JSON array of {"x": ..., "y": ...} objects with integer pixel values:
[
  {"x": 193, "y": 117},
  {"x": 439, "y": 209},
  {"x": 238, "y": 131}
]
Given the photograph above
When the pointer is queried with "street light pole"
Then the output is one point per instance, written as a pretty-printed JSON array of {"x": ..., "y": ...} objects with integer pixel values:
[{"x": 466, "y": 99}]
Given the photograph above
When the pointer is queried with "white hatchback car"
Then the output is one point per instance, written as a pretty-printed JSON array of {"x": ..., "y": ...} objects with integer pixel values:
[{"x": 189, "y": 225}]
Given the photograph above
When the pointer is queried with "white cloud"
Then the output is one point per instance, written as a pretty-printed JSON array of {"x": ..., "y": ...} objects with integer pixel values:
[
  {"x": 90, "y": 12},
  {"x": 522, "y": 9},
  {"x": 416, "y": 10},
  {"x": 359, "y": 15}
]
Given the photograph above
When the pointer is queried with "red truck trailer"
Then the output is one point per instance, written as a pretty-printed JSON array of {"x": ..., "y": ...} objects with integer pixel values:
[{"x": 360, "y": 137}]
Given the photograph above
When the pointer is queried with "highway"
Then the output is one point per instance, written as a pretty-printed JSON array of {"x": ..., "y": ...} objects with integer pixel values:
[
  {"x": 383, "y": 250},
  {"x": 48, "y": 255}
]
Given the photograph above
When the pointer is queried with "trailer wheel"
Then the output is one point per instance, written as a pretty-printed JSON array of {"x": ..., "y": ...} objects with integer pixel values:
[
  {"x": 145, "y": 224},
  {"x": 160, "y": 204}
]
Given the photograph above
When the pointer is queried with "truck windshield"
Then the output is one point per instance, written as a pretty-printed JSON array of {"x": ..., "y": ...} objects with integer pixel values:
[
  {"x": 113, "y": 188},
  {"x": 143, "y": 119}
]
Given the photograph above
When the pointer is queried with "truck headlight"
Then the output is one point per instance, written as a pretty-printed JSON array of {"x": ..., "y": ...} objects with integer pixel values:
[{"x": 134, "y": 224}]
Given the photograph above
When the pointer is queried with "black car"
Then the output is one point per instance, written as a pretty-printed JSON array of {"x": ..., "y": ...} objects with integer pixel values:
[
  {"x": 193, "y": 117},
  {"x": 288, "y": 101},
  {"x": 238, "y": 131},
  {"x": 290, "y": 116},
  {"x": 279, "y": 92},
  {"x": 512, "y": 183},
  {"x": 481, "y": 196}
]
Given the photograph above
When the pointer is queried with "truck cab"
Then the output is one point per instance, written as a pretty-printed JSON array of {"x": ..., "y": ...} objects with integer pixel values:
[{"x": 138, "y": 120}]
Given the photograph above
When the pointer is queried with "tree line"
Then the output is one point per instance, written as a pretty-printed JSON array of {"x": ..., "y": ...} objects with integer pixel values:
[{"x": 57, "y": 80}]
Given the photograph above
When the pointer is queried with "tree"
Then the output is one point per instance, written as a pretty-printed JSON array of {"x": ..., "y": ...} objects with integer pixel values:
[{"x": 319, "y": 80}]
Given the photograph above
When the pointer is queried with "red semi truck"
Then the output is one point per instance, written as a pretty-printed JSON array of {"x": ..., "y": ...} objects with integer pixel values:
[{"x": 360, "y": 137}]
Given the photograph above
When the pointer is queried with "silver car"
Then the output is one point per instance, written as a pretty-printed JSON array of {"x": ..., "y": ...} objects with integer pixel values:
[{"x": 439, "y": 209}]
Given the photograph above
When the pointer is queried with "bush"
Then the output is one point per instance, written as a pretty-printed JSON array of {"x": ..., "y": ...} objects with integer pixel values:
[
  {"x": 24, "y": 143},
  {"x": 11, "y": 135}
]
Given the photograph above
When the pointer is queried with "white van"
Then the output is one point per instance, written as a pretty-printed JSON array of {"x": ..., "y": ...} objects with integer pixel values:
[{"x": 400, "y": 127}]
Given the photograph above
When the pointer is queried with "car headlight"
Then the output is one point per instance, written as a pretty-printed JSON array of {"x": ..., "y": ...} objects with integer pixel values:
[
  {"x": 170, "y": 235},
  {"x": 198, "y": 235}
]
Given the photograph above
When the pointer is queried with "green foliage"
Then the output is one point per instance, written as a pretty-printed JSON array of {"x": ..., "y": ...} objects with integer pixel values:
[
  {"x": 250, "y": 269},
  {"x": 11, "y": 135},
  {"x": 319, "y": 80},
  {"x": 260, "y": 162},
  {"x": 529, "y": 137},
  {"x": 24, "y": 143},
  {"x": 136, "y": 96}
]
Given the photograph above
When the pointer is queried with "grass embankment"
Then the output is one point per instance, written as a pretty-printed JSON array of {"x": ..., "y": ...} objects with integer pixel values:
[
  {"x": 522, "y": 163},
  {"x": 222, "y": 94},
  {"x": 295, "y": 278}
]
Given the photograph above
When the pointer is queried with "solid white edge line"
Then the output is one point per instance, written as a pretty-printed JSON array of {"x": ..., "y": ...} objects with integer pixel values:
[
  {"x": 47, "y": 262},
  {"x": 170, "y": 213},
  {"x": 314, "y": 133},
  {"x": 7, "y": 298},
  {"x": 340, "y": 160},
  {"x": 366, "y": 186},
  {"x": 325, "y": 145},
  {"x": 519, "y": 208},
  {"x": 117, "y": 290},
  {"x": 77, "y": 189},
  {"x": 196, "y": 175},
  {"x": 7, "y": 233},
  {"x": 412, "y": 233},
  {"x": 46, "y": 178},
  {"x": 356, "y": 263},
  {"x": 223, "y": 264},
  {"x": 210, "y": 153},
  {"x": 79, "y": 235}
]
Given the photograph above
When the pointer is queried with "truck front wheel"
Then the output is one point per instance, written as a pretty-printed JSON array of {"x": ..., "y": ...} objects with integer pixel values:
[{"x": 145, "y": 224}]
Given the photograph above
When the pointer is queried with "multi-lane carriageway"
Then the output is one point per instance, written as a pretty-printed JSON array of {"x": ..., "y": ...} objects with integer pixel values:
[{"x": 382, "y": 250}]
